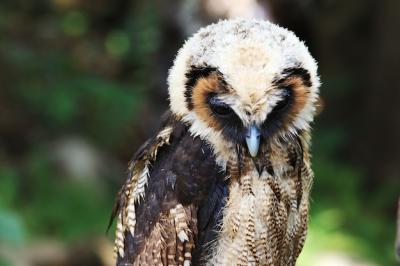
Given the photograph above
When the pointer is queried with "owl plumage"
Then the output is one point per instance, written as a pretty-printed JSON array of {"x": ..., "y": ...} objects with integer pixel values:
[{"x": 227, "y": 179}]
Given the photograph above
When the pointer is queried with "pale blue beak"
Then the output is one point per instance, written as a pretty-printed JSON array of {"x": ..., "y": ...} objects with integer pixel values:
[{"x": 253, "y": 140}]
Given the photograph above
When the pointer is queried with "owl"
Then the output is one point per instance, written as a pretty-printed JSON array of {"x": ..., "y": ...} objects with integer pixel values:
[{"x": 226, "y": 180}]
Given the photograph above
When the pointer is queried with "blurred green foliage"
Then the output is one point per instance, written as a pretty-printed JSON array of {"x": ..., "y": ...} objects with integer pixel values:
[
  {"x": 343, "y": 216},
  {"x": 75, "y": 23},
  {"x": 346, "y": 225},
  {"x": 66, "y": 76}
]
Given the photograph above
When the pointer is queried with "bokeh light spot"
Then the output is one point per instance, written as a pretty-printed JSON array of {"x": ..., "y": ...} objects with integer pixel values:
[
  {"x": 117, "y": 43},
  {"x": 75, "y": 23}
]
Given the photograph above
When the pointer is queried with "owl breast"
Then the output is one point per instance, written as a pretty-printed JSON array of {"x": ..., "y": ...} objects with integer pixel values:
[{"x": 265, "y": 218}]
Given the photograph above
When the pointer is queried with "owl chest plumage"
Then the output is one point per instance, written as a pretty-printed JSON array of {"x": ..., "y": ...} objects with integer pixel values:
[{"x": 265, "y": 218}]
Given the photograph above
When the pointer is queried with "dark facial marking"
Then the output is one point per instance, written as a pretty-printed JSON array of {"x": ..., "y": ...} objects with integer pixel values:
[
  {"x": 193, "y": 75},
  {"x": 295, "y": 72},
  {"x": 218, "y": 107},
  {"x": 286, "y": 96},
  {"x": 230, "y": 124},
  {"x": 222, "y": 116},
  {"x": 276, "y": 118}
]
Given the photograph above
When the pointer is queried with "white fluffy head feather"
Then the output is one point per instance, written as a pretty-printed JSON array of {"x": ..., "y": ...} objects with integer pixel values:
[{"x": 251, "y": 55}]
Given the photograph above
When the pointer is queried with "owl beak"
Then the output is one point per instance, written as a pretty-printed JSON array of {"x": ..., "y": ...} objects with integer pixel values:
[{"x": 253, "y": 140}]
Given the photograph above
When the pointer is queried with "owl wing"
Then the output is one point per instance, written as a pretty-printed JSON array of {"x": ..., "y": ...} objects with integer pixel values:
[{"x": 170, "y": 180}]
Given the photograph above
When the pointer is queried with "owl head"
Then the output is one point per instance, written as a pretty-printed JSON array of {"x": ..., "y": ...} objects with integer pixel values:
[{"x": 243, "y": 82}]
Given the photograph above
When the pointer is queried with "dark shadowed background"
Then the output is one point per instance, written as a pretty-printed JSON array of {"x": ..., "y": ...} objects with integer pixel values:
[{"x": 82, "y": 85}]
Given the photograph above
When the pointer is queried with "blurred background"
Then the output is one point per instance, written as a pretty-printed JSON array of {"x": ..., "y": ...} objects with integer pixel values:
[{"x": 83, "y": 84}]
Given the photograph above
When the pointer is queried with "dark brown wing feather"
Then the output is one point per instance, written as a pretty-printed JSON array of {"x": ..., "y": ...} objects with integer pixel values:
[{"x": 158, "y": 208}]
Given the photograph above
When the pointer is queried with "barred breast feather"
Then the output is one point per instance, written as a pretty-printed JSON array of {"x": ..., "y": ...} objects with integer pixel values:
[{"x": 265, "y": 219}]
